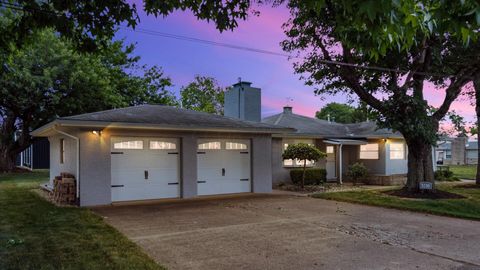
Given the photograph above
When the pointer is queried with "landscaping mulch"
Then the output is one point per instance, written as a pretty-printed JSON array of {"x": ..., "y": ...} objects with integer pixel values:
[{"x": 437, "y": 195}]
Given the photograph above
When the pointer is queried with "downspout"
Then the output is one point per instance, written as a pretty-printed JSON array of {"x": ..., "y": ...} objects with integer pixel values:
[
  {"x": 340, "y": 172},
  {"x": 77, "y": 173}
]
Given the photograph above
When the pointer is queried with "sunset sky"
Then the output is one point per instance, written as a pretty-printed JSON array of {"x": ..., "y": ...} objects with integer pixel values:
[{"x": 182, "y": 60}]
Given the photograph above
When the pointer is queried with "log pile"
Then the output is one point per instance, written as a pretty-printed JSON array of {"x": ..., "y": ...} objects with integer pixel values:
[{"x": 64, "y": 189}]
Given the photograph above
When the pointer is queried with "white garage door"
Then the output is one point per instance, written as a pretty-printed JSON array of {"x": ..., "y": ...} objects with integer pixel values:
[
  {"x": 223, "y": 166},
  {"x": 144, "y": 168}
]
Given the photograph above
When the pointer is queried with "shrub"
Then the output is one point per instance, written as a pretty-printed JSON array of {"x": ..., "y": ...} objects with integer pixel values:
[
  {"x": 314, "y": 176},
  {"x": 357, "y": 171},
  {"x": 445, "y": 175}
]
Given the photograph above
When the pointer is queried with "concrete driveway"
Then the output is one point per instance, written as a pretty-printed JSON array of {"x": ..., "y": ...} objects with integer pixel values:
[{"x": 287, "y": 232}]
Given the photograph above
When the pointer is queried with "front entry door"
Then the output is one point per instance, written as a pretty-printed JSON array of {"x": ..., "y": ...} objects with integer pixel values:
[{"x": 331, "y": 163}]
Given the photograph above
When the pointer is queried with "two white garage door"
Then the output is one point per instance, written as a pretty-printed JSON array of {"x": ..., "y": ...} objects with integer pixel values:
[{"x": 149, "y": 168}]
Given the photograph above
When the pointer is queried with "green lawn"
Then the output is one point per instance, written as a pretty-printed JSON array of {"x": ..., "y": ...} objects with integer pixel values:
[
  {"x": 34, "y": 234},
  {"x": 464, "y": 171},
  {"x": 468, "y": 208}
]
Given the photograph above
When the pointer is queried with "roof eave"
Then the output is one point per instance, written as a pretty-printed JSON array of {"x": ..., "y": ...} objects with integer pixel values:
[{"x": 43, "y": 131}]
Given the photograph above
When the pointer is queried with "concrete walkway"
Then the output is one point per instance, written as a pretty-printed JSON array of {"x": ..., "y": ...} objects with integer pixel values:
[{"x": 291, "y": 232}]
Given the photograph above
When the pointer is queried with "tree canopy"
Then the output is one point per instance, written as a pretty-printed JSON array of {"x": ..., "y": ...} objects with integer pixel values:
[
  {"x": 49, "y": 78},
  {"x": 203, "y": 94},
  {"x": 91, "y": 23},
  {"x": 345, "y": 53},
  {"x": 344, "y": 113}
]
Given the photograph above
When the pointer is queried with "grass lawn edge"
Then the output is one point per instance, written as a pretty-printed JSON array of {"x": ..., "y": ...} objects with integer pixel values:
[{"x": 379, "y": 194}]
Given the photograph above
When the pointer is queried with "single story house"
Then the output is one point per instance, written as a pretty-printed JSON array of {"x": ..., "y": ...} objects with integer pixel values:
[
  {"x": 156, "y": 152},
  {"x": 456, "y": 151},
  {"x": 471, "y": 155}
]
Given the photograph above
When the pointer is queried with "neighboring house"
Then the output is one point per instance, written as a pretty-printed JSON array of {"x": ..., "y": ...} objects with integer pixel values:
[
  {"x": 157, "y": 152},
  {"x": 456, "y": 151},
  {"x": 36, "y": 156},
  {"x": 471, "y": 152}
]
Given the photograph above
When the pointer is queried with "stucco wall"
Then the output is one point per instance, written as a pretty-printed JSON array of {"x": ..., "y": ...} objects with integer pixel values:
[
  {"x": 261, "y": 164},
  {"x": 95, "y": 165},
  {"x": 70, "y": 160}
]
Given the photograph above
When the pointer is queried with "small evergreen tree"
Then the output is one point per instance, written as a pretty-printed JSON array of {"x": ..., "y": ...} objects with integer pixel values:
[{"x": 303, "y": 152}]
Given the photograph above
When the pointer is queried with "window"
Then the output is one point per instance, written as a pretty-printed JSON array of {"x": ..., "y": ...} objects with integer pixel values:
[
  {"x": 397, "y": 151},
  {"x": 160, "y": 145},
  {"x": 210, "y": 146},
  {"x": 369, "y": 151},
  {"x": 137, "y": 144},
  {"x": 330, "y": 149},
  {"x": 297, "y": 163},
  {"x": 235, "y": 146},
  {"x": 62, "y": 151}
]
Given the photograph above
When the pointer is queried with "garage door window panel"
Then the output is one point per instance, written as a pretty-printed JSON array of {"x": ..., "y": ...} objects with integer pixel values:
[
  {"x": 210, "y": 146},
  {"x": 162, "y": 145},
  {"x": 236, "y": 146},
  {"x": 128, "y": 145}
]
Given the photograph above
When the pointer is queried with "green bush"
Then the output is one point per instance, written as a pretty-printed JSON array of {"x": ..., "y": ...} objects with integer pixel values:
[
  {"x": 357, "y": 171},
  {"x": 312, "y": 176},
  {"x": 445, "y": 175}
]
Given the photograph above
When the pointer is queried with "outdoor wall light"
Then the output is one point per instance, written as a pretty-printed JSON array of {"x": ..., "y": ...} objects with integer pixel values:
[{"x": 97, "y": 132}]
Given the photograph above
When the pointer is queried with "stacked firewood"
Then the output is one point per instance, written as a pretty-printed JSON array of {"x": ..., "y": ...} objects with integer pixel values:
[{"x": 64, "y": 189}]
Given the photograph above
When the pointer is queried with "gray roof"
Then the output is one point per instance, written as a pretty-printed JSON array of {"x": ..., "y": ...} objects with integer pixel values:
[
  {"x": 472, "y": 145},
  {"x": 308, "y": 126},
  {"x": 162, "y": 117}
]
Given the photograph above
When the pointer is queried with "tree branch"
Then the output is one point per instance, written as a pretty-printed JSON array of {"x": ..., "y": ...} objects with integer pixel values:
[
  {"x": 453, "y": 90},
  {"x": 349, "y": 74}
]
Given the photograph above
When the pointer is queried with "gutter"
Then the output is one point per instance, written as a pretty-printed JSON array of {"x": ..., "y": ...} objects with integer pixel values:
[
  {"x": 122, "y": 125},
  {"x": 77, "y": 173}
]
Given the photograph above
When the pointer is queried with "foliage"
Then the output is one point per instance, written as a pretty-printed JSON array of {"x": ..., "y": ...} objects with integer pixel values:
[
  {"x": 303, "y": 152},
  {"x": 357, "y": 171},
  {"x": 35, "y": 234},
  {"x": 344, "y": 113},
  {"x": 203, "y": 94},
  {"x": 388, "y": 54},
  {"x": 468, "y": 208},
  {"x": 336, "y": 112},
  {"x": 445, "y": 175},
  {"x": 91, "y": 23},
  {"x": 458, "y": 123},
  {"x": 48, "y": 78},
  {"x": 313, "y": 176}
]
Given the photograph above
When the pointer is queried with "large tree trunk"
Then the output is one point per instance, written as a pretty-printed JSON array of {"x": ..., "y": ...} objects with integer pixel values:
[
  {"x": 420, "y": 164},
  {"x": 10, "y": 146},
  {"x": 7, "y": 160},
  {"x": 476, "y": 85}
]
